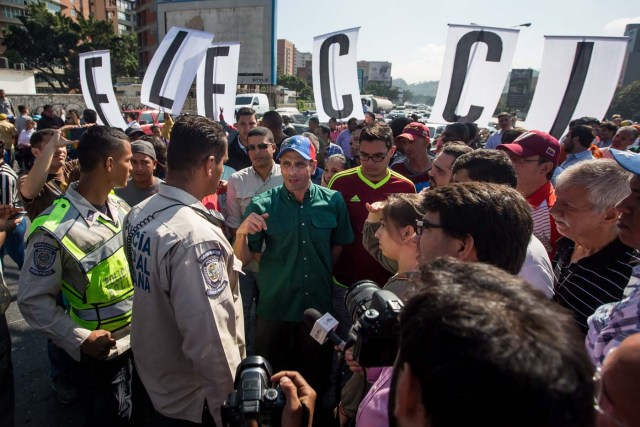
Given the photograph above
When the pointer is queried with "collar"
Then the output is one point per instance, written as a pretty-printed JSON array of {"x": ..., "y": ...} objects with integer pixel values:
[
  {"x": 87, "y": 210},
  {"x": 541, "y": 194},
  {"x": 599, "y": 260},
  {"x": 586, "y": 154},
  {"x": 371, "y": 184},
  {"x": 242, "y": 147},
  {"x": 274, "y": 169},
  {"x": 311, "y": 191},
  {"x": 181, "y": 196}
]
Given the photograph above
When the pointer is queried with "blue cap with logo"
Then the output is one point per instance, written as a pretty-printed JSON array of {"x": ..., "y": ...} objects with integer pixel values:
[
  {"x": 628, "y": 160},
  {"x": 300, "y": 145}
]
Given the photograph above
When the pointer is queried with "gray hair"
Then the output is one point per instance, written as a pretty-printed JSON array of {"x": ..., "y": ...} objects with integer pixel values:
[
  {"x": 313, "y": 139},
  {"x": 631, "y": 129},
  {"x": 340, "y": 157},
  {"x": 604, "y": 180}
]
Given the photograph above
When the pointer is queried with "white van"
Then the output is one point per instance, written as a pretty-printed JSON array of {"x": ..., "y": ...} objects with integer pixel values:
[{"x": 258, "y": 101}]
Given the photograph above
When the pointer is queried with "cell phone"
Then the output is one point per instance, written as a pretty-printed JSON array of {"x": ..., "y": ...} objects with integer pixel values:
[{"x": 19, "y": 214}]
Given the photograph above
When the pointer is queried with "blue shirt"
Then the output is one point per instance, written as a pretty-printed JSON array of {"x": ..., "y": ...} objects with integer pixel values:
[
  {"x": 343, "y": 141},
  {"x": 571, "y": 160}
]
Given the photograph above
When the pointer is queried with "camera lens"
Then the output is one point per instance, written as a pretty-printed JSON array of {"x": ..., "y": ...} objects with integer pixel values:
[{"x": 358, "y": 297}]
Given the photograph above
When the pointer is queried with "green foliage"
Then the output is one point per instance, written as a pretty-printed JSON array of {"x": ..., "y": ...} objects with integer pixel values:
[
  {"x": 381, "y": 89},
  {"x": 305, "y": 92},
  {"x": 50, "y": 44},
  {"x": 626, "y": 102}
]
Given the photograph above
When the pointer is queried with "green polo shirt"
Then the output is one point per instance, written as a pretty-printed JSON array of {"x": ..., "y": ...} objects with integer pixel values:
[{"x": 296, "y": 265}]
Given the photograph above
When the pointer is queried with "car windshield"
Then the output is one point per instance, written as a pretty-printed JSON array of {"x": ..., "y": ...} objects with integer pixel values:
[
  {"x": 145, "y": 118},
  {"x": 243, "y": 100}
]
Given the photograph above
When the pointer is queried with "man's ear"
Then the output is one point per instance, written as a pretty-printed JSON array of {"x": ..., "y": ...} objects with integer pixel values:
[
  {"x": 108, "y": 164},
  {"x": 467, "y": 251},
  {"x": 209, "y": 165}
]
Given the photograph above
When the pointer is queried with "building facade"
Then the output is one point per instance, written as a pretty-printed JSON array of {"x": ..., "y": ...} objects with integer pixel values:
[
  {"x": 631, "y": 67},
  {"x": 286, "y": 58}
]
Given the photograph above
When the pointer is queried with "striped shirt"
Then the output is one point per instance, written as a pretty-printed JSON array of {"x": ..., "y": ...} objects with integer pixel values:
[
  {"x": 8, "y": 185},
  {"x": 594, "y": 280},
  {"x": 544, "y": 227}
]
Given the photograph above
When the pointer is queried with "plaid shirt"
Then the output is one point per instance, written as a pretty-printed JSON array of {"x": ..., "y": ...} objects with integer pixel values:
[{"x": 612, "y": 323}]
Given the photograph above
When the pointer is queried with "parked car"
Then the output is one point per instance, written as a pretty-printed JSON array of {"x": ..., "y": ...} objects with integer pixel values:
[
  {"x": 146, "y": 118},
  {"x": 258, "y": 101}
]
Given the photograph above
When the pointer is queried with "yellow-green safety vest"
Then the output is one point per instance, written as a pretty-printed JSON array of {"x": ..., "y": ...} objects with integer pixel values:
[{"x": 107, "y": 301}]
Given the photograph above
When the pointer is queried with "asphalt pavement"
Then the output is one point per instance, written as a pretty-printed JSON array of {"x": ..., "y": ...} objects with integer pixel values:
[{"x": 36, "y": 403}]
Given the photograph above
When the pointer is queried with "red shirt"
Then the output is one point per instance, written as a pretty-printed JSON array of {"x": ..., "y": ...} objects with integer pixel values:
[
  {"x": 355, "y": 263},
  {"x": 544, "y": 226}
]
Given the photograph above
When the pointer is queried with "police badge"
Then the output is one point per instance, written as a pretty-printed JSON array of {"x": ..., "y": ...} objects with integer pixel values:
[
  {"x": 44, "y": 256},
  {"x": 212, "y": 268}
]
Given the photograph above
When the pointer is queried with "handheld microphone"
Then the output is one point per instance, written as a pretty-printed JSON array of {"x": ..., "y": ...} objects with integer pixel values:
[{"x": 323, "y": 327}]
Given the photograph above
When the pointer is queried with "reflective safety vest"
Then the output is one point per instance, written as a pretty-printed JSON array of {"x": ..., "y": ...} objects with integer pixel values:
[{"x": 107, "y": 300}]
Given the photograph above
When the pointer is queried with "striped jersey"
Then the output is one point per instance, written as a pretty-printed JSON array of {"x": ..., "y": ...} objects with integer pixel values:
[
  {"x": 355, "y": 263},
  {"x": 8, "y": 185},
  {"x": 544, "y": 227},
  {"x": 594, "y": 280}
]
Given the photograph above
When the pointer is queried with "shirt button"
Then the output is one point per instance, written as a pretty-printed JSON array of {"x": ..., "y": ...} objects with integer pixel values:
[
  {"x": 305, "y": 275},
  {"x": 304, "y": 241},
  {"x": 305, "y": 258},
  {"x": 303, "y": 223}
]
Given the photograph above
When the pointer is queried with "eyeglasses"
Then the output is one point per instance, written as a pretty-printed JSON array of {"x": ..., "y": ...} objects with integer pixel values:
[
  {"x": 261, "y": 146},
  {"x": 423, "y": 223},
  {"x": 515, "y": 159},
  {"x": 599, "y": 391},
  {"x": 375, "y": 157}
]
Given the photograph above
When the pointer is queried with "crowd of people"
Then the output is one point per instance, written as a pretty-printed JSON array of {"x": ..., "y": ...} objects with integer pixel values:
[{"x": 155, "y": 264}]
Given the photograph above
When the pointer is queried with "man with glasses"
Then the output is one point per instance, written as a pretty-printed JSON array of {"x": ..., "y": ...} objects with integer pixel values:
[
  {"x": 370, "y": 182},
  {"x": 302, "y": 228},
  {"x": 263, "y": 174},
  {"x": 535, "y": 155},
  {"x": 475, "y": 222}
]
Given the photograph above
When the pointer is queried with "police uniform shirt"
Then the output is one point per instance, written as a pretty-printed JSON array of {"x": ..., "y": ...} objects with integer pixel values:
[
  {"x": 46, "y": 265},
  {"x": 187, "y": 334}
]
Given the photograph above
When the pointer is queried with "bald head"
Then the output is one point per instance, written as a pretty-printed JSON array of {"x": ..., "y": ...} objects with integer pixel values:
[{"x": 621, "y": 382}]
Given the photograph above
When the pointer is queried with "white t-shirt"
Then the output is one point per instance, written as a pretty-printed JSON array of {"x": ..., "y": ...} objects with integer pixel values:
[{"x": 537, "y": 270}]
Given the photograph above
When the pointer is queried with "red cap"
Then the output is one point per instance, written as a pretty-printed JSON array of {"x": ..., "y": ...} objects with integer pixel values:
[
  {"x": 414, "y": 130},
  {"x": 534, "y": 143}
]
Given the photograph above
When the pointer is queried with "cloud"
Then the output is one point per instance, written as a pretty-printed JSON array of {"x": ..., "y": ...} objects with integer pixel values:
[
  {"x": 616, "y": 27},
  {"x": 423, "y": 64}
]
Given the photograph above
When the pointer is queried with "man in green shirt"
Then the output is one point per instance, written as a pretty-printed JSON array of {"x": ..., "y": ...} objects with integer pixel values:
[{"x": 303, "y": 227}]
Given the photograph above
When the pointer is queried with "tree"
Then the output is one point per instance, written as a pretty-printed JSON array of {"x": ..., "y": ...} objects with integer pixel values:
[
  {"x": 50, "y": 43},
  {"x": 626, "y": 102},
  {"x": 300, "y": 86},
  {"x": 381, "y": 89}
]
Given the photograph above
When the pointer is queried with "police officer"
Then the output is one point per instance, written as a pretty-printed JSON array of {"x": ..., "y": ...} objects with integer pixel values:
[
  {"x": 76, "y": 246},
  {"x": 188, "y": 334}
]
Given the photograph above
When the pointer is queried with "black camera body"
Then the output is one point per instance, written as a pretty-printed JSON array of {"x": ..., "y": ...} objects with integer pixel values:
[
  {"x": 254, "y": 397},
  {"x": 376, "y": 324}
]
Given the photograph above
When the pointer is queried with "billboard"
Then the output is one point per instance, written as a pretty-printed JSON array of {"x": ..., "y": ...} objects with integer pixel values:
[
  {"x": 379, "y": 72},
  {"x": 250, "y": 22},
  {"x": 519, "y": 92}
]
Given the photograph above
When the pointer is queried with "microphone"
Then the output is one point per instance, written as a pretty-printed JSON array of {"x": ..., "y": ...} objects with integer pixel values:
[{"x": 323, "y": 327}]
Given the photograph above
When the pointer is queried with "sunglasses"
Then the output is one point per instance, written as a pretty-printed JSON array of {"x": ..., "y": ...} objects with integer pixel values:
[{"x": 261, "y": 146}]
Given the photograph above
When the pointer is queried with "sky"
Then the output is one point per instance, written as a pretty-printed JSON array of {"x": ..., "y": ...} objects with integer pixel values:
[{"x": 412, "y": 34}]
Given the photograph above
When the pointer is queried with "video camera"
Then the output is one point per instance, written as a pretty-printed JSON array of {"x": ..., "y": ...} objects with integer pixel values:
[
  {"x": 376, "y": 323},
  {"x": 254, "y": 397}
]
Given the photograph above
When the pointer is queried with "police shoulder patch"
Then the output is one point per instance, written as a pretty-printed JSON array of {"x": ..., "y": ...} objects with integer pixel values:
[
  {"x": 44, "y": 255},
  {"x": 212, "y": 268}
]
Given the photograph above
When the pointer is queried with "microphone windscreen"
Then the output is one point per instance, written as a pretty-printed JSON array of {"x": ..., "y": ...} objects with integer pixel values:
[{"x": 311, "y": 316}]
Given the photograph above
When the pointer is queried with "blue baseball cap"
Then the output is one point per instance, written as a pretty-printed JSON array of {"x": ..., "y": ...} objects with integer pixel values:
[
  {"x": 628, "y": 160},
  {"x": 300, "y": 145}
]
